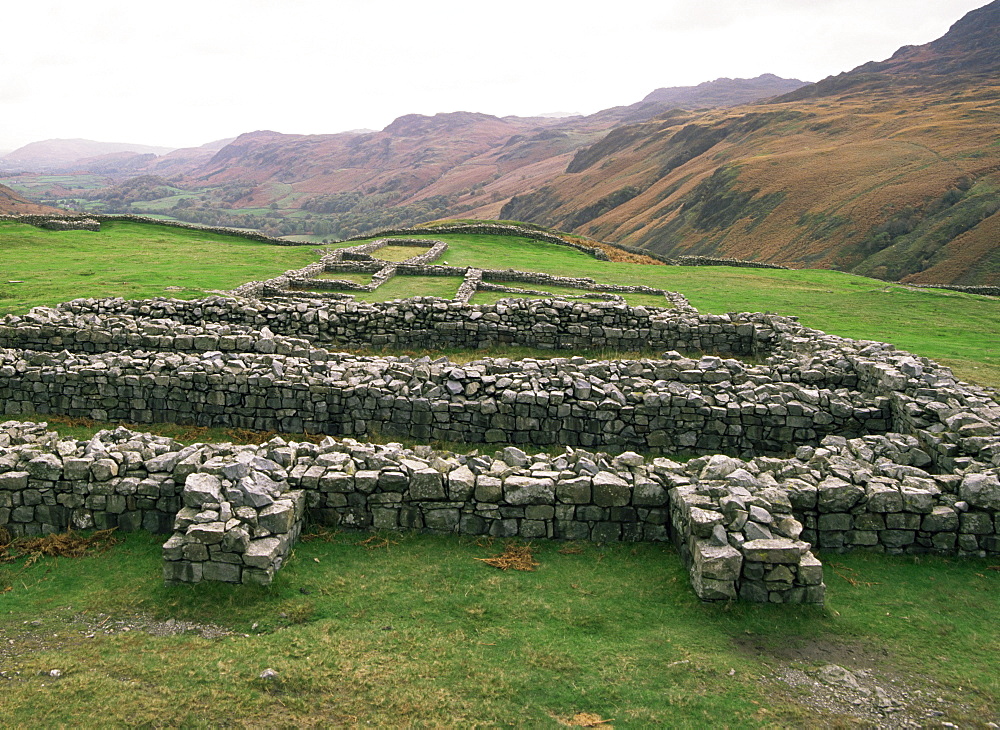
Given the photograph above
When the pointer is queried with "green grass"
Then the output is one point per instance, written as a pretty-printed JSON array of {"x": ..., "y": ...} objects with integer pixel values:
[
  {"x": 130, "y": 260},
  {"x": 360, "y": 278},
  {"x": 403, "y": 287},
  {"x": 399, "y": 253},
  {"x": 959, "y": 330},
  {"x": 421, "y": 633},
  {"x": 134, "y": 260},
  {"x": 636, "y": 300}
]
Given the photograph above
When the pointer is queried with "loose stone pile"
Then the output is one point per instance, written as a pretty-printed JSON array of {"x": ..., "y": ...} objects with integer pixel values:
[{"x": 238, "y": 523}]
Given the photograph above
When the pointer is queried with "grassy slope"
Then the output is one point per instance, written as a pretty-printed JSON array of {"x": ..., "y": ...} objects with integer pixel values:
[
  {"x": 960, "y": 330},
  {"x": 130, "y": 260},
  {"x": 420, "y": 633},
  {"x": 138, "y": 261}
]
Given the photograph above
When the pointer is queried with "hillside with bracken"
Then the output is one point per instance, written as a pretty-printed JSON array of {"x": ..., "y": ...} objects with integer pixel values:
[
  {"x": 891, "y": 170},
  {"x": 11, "y": 203}
]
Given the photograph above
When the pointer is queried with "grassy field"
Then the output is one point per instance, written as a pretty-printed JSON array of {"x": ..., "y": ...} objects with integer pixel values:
[
  {"x": 136, "y": 261},
  {"x": 131, "y": 260},
  {"x": 959, "y": 330},
  {"x": 405, "y": 630},
  {"x": 399, "y": 253}
]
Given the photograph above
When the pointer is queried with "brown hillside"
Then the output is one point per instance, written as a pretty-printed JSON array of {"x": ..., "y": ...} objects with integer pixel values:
[
  {"x": 890, "y": 180},
  {"x": 13, "y": 204}
]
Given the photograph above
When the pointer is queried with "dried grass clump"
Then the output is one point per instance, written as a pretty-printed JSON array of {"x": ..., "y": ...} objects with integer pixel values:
[
  {"x": 517, "y": 556},
  {"x": 65, "y": 544}
]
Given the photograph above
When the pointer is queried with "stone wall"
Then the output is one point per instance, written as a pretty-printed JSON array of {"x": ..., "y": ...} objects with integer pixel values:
[
  {"x": 490, "y": 229},
  {"x": 717, "y": 261},
  {"x": 418, "y": 322},
  {"x": 41, "y": 220},
  {"x": 818, "y": 441},
  {"x": 744, "y": 527}
]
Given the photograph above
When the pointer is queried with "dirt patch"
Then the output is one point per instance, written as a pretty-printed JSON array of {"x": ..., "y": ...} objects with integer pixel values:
[
  {"x": 68, "y": 628},
  {"x": 857, "y": 683},
  {"x": 816, "y": 651}
]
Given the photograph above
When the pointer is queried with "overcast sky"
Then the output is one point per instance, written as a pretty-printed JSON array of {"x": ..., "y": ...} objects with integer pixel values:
[{"x": 186, "y": 72}]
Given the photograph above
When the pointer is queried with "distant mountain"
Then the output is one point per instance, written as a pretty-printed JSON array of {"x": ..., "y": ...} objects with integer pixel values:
[
  {"x": 723, "y": 92},
  {"x": 11, "y": 203},
  {"x": 968, "y": 53},
  {"x": 59, "y": 154},
  {"x": 891, "y": 170}
]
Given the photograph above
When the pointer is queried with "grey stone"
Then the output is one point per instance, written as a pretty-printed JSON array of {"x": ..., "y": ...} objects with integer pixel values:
[
  {"x": 778, "y": 551},
  {"x": 520, "y": 490},
  {"x": 610, "y": 490},
  {"x": 200, "y": 489},
  {"x": 981, "y": 490},
  {"x": 46, "y": 466},
  {"x": 461, "y": 483},
  {"x": 717, "y": 562},
  {"x": 277, "y": 518}
]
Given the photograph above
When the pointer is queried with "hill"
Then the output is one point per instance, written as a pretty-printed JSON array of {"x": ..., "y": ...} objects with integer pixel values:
[
  {"x": 11, "y": 203},
  {"x": 891, "y": 170},
  {"x": 60, "y": 154},
  {"x": 416, "y": 169}
]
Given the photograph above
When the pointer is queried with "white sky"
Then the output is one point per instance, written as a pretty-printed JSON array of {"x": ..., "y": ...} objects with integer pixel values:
[{"x": 185, "y": 72}]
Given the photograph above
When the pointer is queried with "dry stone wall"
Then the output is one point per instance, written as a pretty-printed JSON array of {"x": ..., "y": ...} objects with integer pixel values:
[{"x": 807, "y": 440}]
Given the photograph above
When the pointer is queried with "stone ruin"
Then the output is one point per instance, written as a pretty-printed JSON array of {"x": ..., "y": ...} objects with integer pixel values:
[{"x": 802, "y": 440}]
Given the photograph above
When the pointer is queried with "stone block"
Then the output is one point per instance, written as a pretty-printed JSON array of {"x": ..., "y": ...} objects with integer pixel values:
[
  {"x": 194, "y": 552},
  {"x": 442, "y": 520},
  {"x": 461, "y": 483},
  {"x": 46, "y": 466},
  {"x": 777, "y": 551},
  {"x": 208, "y": 533},
  {"x": 835, "y": 521},
  {"x": 532, "y": 528},
  {"x": 258, "y": 576},
  {"x": 981, "y": 490},
  {"x": 897, "y": 538},
  {"x": 199, "y": 489},
  {"x": 102, "y": 470},
  {"x": 277, "y": 518},
  {"x": 709, "y": 589},
  {"x": 366, "y": 481},
  {"x": 77, "y": 469},
  {"x": 703, "y": 521},
  {"x": 520, "y": 490},
  {"x": 427, "y": 484},
  {"x": 574, "y": 491},
  {"x": 722, "y": 563},
  {"x": 606, "y": 532},
  {"x": 224, "y": 572},
  {"x": 810, "y": 570},
  {"x": 385, "y": 519},
  {"x": 647, "y": 493},
  {"x": 173, "y": 548},
  {"x": 181, "y": 572},
  {"x": 902, "y": 521},
  {"x": 14, "y": 480},
  {"x": 610, "y": 490},
  {"x": 836, "y": 495},
  {"x": 263, "y": 552},
  {"x": 941, "y": 519},
  {"x": 572, "y": 530},
  {"x": 975, "y": 523}
]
